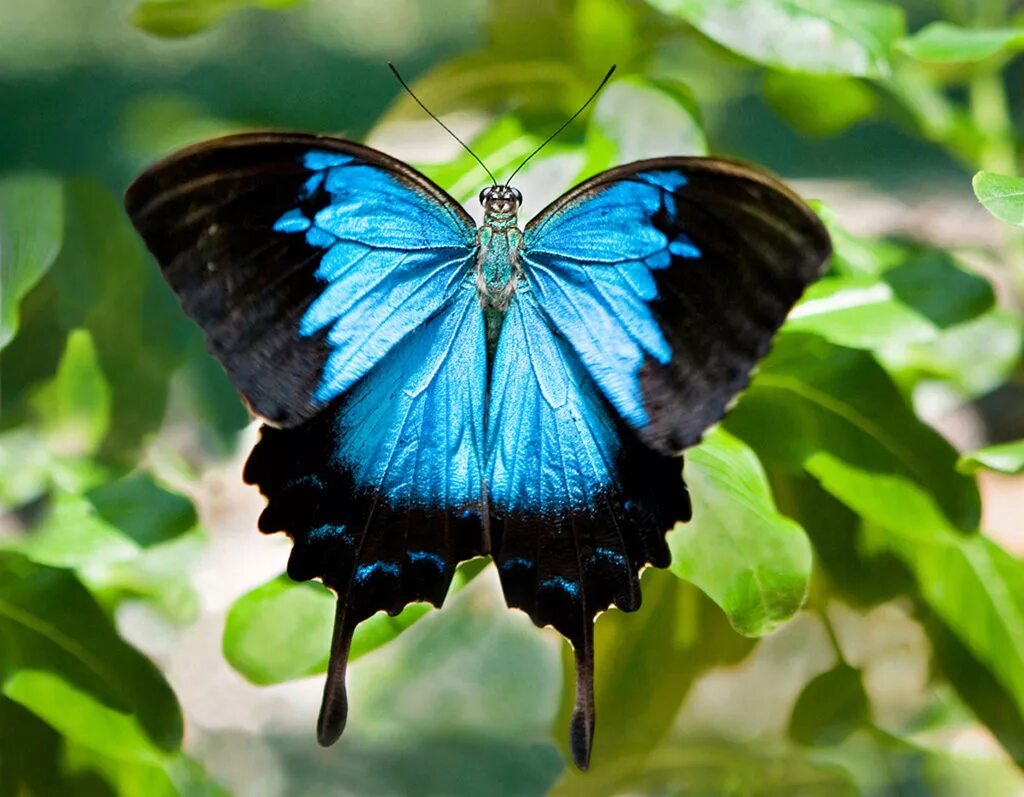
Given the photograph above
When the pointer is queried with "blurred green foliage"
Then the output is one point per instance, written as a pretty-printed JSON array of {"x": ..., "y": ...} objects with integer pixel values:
[{"x": 828, "y": 514}]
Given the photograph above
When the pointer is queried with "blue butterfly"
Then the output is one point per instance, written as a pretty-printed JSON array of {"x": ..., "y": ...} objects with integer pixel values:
[{"x": 435, "y": 391}]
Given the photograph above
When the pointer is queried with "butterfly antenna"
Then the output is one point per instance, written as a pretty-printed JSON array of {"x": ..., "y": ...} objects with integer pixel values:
[
  {"x": 430, "y": 113},
  {"x": 567, "y": 122}
]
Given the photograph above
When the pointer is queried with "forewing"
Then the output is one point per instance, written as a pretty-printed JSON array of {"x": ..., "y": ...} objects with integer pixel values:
[
  {"x": 669, "y": 278},
  {"x": 304, "y": 258},
  {"x": 579, "y": 505}
]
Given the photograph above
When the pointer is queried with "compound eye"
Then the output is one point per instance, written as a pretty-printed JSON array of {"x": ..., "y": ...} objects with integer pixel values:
[
  {"x": 484, "y": 194},
  {"x": 519, "y": 196}
]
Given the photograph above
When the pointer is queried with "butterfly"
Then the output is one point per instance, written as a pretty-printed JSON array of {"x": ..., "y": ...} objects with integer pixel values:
[{"x": 434, "y": 391}]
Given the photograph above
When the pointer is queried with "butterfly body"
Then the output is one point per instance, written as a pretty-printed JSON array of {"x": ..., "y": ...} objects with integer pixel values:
[
  {"x": 435, "y": 391},
  {"x": 498, "y": 272}
]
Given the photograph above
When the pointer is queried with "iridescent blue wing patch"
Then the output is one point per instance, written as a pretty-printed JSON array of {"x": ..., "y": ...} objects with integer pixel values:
[
  {"x": 303, "y": 258},
  {"x": 335, "y": 285},
  {"x": 649, "y": 294},
  {"x": 669, "y": 278}
]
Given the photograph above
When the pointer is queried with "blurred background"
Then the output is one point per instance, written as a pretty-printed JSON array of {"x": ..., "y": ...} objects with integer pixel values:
[{"x": 845, "y": 615}]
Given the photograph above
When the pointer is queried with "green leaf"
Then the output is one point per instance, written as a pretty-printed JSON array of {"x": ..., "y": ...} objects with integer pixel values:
[
  {"x": 1003, "y": 458},
  {"x": 75, "y": 406},
  {"x": 142, "y": 510},
  {"x": 647, "y": 120},
  {"x": 882, "y": 763},
  {"x": 530, "y": 29},
  {"x": 702, "y": 767},
  {"x": 541, "y": 85},
  {"x": 987, "y": 698},
  {"x": 79, "y": 716},
  {"x": 605, "y": 32},
  {"x": 31, "y": 232},
  {"x": 860, "y": 312},
  {"x": 30, "y": 466},
  {"x": 141, "y": 335},
  {"x": 646, "y": 665},
  {"x": 753, "y": 562},
  {"x": 819, "y": 105},
  {"x": 854, "y": 255},
  {"x": 812, "y": 398},
  {"x": 33, "y": 756},
  {"x": 49, "y": 622},
  {"x": 108, "y": 740},
  {"x": 975, "y": 357},
  {"x": 830, "y": 707},
  {"x": 502, "y": 146},
  {"x": 846, "y": 37},
  {"x": 944, "y": 43},
  {"x": 1002, "y": 196},
  {"x": 127, "y": 538},
  {"x": 909, "y": 303},
  {"x": 177, "y": 18},
  {"x": 70, "y": 534},
  {"x": 971, "y": 584},
  {"x": 861, "y": 577},
  {"x": 155, "y": 575},
  {"x": 281, "y": 630}
]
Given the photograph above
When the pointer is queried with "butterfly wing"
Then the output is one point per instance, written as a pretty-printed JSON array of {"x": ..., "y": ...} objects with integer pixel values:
[
  {"x": 650, "y": 293},
  {"x": 579, "y": 504},
  {"x": 335, "y": 286},
  {"x": 669, "y": 278},
  {"x": 303, "y": 258}
]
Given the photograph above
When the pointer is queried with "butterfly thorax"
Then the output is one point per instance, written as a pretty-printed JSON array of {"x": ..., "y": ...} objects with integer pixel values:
[{"x": 498, "y": 272}]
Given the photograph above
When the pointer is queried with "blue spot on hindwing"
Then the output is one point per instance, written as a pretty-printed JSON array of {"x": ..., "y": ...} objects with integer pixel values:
[
  {"x": 365, "y": 572},
  {"x": 328, "y": 532},
  {"x": 306, "y": 480},
  {"x": 601, "y": 554},
  {"x": 415, "y": 557},
  {"x": 564, "y": 584}
]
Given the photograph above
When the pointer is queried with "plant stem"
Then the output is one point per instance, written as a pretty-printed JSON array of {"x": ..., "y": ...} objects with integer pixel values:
[
  {"x": 833, "y": 637},
  {"x": 990, "y": 113}
]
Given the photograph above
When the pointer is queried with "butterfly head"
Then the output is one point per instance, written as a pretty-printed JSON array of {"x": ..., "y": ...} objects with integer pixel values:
[{"x": 501, "y": 200}]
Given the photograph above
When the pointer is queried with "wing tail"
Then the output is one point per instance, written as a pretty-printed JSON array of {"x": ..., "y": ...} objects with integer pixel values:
[{"x": 334, "y": 706}]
